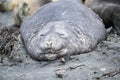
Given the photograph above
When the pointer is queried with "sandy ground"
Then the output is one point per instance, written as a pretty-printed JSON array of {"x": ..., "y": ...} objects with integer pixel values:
[
  {"x": 6, "y": 18},
  {"x": 103, "y": 63}
]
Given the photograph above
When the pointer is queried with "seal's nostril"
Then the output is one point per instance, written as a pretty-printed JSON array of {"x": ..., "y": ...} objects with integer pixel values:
[{"x": 49, "y": 44}]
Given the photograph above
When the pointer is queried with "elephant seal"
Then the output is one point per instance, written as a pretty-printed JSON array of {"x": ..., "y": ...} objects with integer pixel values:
[
  {"x": 8, "y": 5},
  {"x": 61, "y": 28},
  {"x": 108, "y": 10},
  {"x": 26, "y": 8}
]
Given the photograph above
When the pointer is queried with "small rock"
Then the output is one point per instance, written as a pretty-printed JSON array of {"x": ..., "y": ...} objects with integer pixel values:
[
  {"x": 103, "y": 69},
  {"x": 63, "y": 60},
  {"x": 60, "y": 73}
]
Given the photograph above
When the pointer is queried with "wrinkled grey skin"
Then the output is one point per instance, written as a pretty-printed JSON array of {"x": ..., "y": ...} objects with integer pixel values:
[
  {"x": 61, "y": 28},
  {"x": 108, "y": 10}
]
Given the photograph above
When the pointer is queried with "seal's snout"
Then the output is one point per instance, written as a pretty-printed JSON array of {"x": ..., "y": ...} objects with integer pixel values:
[
  {"x": 49, "y": 47},
  {"x": 49, "y": 44},
  {"x": 52, "y": 43}
]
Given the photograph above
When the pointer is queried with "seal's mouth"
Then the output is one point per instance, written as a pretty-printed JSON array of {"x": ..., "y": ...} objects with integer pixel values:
[
  {"x": 50, "y": 51},
  {"x": 52, "y": 55}
]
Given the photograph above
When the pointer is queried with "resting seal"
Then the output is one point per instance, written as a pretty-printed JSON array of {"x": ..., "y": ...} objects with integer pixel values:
[
  {"x": 8, "y": 5},
  {"x": 108, "y": 10},
  {"x": 61, "y": 28}
]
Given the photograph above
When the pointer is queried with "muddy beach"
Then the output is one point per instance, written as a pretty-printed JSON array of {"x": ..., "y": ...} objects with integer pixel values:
[{"x": 103, "y": 63}]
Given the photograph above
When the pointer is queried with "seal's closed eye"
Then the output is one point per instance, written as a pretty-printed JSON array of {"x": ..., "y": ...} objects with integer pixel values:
[{"x": 61, "y": 35}]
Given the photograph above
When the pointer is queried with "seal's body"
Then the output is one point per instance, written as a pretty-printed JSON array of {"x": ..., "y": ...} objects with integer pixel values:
[
  {"x": 61, "y": 28},
  {"x": 108, "y": 10}
]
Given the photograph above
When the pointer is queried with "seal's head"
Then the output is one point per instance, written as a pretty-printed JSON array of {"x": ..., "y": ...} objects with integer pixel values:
[{"x": 55, "y": 39}]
